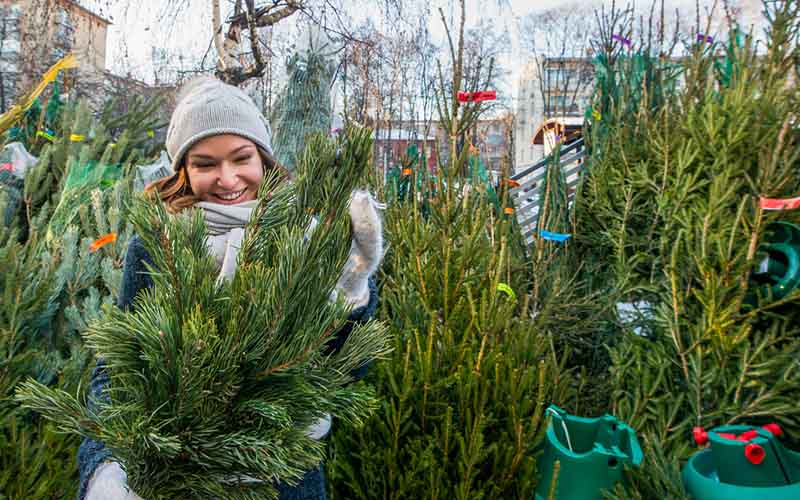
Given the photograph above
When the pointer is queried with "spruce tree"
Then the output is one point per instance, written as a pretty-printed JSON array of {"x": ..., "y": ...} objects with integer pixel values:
[
  {"x": 304, "y": 106},
  {"x": 474, "y": 364},
  {"x": 670, "y": 212}
]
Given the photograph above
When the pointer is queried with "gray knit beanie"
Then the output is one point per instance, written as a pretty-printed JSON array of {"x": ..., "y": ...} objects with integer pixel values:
[{"x": 207, "y": 107}]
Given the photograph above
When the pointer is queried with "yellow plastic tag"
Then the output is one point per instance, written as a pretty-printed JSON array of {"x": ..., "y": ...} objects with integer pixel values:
[
  {"x": 150, "y": 133},
  {"x": 502, "y": 287},
  {"x": 77, "y": 137},
  {"x": 596, "y": 115},
  {"x": 46, "y": 135}
]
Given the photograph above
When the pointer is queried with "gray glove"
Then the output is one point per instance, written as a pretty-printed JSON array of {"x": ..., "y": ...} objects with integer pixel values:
[
  {"x": 109, "y": 482},
  {"x": 366, "y": 249}
]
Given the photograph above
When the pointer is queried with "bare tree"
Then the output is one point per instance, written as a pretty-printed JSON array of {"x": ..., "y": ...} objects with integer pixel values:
[{"x": 247, "y": 18}]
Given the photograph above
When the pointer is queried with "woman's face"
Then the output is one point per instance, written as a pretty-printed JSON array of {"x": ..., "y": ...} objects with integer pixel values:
[{"x": 225, "y": 169}]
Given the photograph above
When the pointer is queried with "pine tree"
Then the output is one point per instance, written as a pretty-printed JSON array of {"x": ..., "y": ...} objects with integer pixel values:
[{"x": 210, "y": 382}]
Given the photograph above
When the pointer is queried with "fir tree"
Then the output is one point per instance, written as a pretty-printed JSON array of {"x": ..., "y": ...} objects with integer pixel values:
[
  {"x": 474, "y": 365},
  {"x": 304, "y": 106},
  {"x": 54, "y": 284}
]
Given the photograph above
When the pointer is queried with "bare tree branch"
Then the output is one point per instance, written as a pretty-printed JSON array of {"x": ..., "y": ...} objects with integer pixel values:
[
  {"x": 265, "y": 17},
  {"x": 216, "y": 22},
  {"x": 251, "y": 19}
]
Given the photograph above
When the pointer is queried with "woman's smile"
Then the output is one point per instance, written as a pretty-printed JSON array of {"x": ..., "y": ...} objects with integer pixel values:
[{"x": 230, "y": 197}]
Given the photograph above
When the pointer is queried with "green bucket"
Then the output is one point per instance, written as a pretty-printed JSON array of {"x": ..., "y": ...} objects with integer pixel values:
[
  {"x": 741, "y": 467},
  {"x": 779, "y": 272},
  {"x": 592, "y": 454}
]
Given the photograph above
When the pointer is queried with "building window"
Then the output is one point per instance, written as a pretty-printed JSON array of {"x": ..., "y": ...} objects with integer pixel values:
[
  {"x": 10, "y": 29},
  {"x": 560, "y": 76},
  {"x": 494, "y": 139},
  {"x": 558, "y": 101}
]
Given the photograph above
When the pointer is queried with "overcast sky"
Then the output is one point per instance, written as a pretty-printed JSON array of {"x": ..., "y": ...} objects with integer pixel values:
[{"x": 139, "y": 26}]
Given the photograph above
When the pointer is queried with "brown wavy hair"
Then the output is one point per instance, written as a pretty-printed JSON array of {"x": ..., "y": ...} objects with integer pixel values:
[{"x": 176, "y": 192}]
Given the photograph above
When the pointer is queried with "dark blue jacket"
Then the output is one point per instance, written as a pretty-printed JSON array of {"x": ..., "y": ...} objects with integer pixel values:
[{"x": 135, "y": 278}]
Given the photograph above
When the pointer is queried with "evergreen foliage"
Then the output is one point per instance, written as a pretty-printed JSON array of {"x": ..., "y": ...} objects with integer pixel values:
[
  {"x": 669, "y": 210},
  {"x": 214, "y": 382},
  {"x": 304, "y": 106},
  {"x": 475, "y": 364},
  {"x": 464, "y": 390},
  {"x": 482, "y": 333},
  {"x": 55, "y": 283}
]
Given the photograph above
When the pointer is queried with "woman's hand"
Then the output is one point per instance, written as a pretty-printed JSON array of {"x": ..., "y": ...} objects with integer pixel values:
[
  {"x": 110, "y": 482},
  {"x": 366, "y": 249},
  {"x": 367, "y": 230}
]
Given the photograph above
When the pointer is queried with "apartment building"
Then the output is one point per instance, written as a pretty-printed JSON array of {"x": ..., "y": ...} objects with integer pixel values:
[
  {"x": 36, "y": 33},
  {"x": 553, "y": 94}
]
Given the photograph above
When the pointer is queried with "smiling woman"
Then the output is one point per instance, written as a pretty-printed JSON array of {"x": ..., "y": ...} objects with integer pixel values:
[
  {"x": 224, "y": 169},
  {"x": 221, "y": 151},
  {"x": 219, "y": 145}
]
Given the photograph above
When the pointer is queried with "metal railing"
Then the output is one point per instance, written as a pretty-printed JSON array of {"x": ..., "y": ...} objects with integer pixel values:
[{"x": 531, "y": 179}]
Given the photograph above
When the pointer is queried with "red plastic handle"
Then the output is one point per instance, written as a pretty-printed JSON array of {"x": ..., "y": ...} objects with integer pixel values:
[
  {"x": 748, "y": 435},
  {"x": 754, "y": 453},
  {"x": 700, "y": 436}
]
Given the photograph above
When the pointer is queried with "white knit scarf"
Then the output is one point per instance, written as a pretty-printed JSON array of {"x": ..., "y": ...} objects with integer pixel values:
[
  {"x": 225, "y": 231},
  {"x": 225, "y": 227},
  {"x": 222, "y": 218}
]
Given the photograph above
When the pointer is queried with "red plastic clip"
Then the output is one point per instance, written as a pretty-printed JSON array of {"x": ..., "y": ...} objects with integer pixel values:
[
  {"x": 779, "y": 204},
  {"x": 727, "y": 435},
  {"x": 700, "y": 436},
  {"x": 481, "y": 95},
  {"x": 774, "y": 429},
  {"x": 7, "y": 166},
  {"x": 754, "y": 453},
  {"x": 748, "y": 435}
]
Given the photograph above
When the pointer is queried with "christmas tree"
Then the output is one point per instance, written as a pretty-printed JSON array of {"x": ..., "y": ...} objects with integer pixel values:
[
  {"x": 214, "y": 381},
  {"x": 474, "y": 365},
  {"x": 304, "y": 106},
  {"x": 54, "y": 282},
  {"x": 670, "y": 213}
]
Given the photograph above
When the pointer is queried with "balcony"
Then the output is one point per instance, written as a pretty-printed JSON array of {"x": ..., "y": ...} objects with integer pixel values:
[{"x": 554, "y": 111}]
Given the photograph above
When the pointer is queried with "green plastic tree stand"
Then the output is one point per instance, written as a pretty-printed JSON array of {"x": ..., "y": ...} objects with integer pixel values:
[
  {"x": 779, "y": 271},
  {"x": 591, "y": 452},
  {"x": 743, "y": 463}
]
